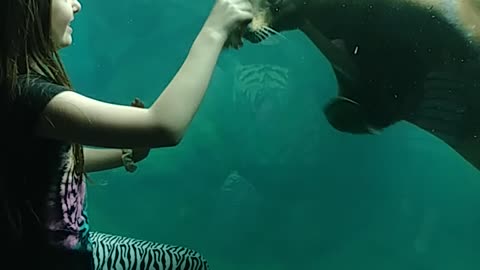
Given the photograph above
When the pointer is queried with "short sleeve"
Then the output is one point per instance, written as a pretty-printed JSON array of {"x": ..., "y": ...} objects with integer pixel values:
[{"x": 32, "y": 97}]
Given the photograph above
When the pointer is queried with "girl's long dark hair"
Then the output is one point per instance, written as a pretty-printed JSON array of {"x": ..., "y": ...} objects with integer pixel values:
[{"x": 25, "y": 42}]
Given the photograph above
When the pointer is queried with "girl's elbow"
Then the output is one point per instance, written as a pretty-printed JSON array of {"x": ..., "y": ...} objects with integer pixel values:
[{"x": 168, "y": 137}]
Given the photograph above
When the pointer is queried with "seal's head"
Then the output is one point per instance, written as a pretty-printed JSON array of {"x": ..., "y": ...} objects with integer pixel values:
[
  {"x": 269, "y": 18},
  {"x": 258, "y": 29},
  {"x": 274, "y": 16}
]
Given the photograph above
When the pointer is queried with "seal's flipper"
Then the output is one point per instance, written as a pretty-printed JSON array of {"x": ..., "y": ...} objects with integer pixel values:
[
  {"x": 347, "y": 115},
  {"x": 447, "y": 111}
]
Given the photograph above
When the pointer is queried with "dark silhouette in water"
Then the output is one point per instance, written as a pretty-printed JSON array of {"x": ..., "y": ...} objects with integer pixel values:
[{"x": 235, "y": 217}]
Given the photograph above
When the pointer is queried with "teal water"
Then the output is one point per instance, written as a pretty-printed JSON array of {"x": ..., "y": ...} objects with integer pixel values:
[{"x": 319, "y": 199}]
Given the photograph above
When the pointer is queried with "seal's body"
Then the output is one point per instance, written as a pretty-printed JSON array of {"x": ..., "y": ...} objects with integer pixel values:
[{"x": 409, "y": 60}]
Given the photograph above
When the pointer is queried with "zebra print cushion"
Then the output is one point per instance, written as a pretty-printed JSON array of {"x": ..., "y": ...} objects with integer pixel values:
[{"x": 113, "y": 252}]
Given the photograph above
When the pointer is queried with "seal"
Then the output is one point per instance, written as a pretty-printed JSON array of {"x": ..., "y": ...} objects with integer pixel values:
[{"x": 395, "y": 60}]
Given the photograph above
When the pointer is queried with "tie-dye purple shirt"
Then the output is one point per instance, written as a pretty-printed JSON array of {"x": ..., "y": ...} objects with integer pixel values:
[{"x": 66, "y": 214}]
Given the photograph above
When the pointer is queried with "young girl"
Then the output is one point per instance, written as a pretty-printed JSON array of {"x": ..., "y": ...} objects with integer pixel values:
[{"x": 46, "y": 124}]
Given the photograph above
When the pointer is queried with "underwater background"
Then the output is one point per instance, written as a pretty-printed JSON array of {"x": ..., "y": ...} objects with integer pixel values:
[{"x": 261, "y": 181}]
